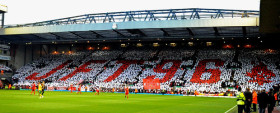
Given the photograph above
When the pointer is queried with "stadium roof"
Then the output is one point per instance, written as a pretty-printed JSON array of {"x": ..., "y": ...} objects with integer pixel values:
[{"x": 145, "y": 24}]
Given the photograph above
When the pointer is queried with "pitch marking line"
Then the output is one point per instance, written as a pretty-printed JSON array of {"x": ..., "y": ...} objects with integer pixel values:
[{"x": 230, "y": 109}]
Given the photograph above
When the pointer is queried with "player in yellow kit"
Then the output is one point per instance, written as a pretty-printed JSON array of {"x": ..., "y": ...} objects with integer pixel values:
[{"x": 40, "y": 89}]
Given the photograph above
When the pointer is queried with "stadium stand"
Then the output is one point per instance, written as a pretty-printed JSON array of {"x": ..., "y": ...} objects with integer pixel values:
[{"x": 203, "y": 70}]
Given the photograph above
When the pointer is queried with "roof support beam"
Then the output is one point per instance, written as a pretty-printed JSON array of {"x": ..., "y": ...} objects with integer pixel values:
[
  {"x": 219, "y": 14},
  {"x": 77, "y": 35},
  {"x": 195, "y": 14},
  {"x": 90, "y": 19},
  {"x": 137, "y": 31},
  {"x": 39, "y": 37},
  {"x": 165, "y": 33},
  {"x": 244, "y": 31},
  {"x": 44, "y": 49},
  {"x": 171, "y": 15},
  {"x": 150, "y": 16},
  {"x": 97, "y": 34},
  {"x": 216, "y": 31},
  {"x": 190, "y": 32},
  {"x": 130, "y": 17},
  {"x": 141, "y": 33},
  {"x": 109, "y": 17},
  {"x": 120, "y": 34},
  {"x": 57, "y": 36}
]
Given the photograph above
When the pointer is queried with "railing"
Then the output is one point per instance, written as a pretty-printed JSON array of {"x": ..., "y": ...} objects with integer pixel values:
[{"x": 147, "y": 15}]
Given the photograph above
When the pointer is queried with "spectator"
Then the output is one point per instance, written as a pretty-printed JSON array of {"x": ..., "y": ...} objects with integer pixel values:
[
  {"x": 240, "y": 101},
  {"x": 276, "y": 98},
  {"x": 271, "y": 101},
  {"x": 255, "y": 100},
  {"x": 262, "y": 100},
  {"x": 248, "y": 101}
]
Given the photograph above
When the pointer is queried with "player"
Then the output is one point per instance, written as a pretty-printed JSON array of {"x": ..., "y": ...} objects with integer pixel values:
[
  {"x": 33, "y": 88},
  {"x": 195, "y": 93},
  {"x": 40, "y": 90},
  {"x": 136, "y": 91},
  {"x": 79, "y": 89},
  {"x": 126, "y": 93},
  {"x": 86, "y": 88},
  {"x": 10, "y": 86},
  {"x": 97, "y": 91},
  {"x": 71, "y": 88},
  {"x": 43, "y": 88}
]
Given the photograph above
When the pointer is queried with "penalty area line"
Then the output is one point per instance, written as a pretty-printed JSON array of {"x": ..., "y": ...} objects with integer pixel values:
[{"x": 230, "y": 109}]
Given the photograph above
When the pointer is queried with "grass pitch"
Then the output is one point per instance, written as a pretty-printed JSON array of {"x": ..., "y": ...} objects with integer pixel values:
[{"x": 15, "y": 101}]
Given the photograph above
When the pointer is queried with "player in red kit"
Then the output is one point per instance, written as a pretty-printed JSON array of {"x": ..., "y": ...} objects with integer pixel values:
[
  {"x": 97, "y": 91},
  {"x": 126, "y": 93},
  {"x": 33, "y": 88},
  {"x": 71, "y": 87},
  {"x": 79, "y": 89}
]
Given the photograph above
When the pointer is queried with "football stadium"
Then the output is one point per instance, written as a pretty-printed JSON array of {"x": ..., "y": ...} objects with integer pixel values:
[{"x": 183, "y": 60}]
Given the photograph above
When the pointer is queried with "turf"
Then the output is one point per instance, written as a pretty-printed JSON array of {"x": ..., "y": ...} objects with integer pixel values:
[{"x": 65, "y": 102}]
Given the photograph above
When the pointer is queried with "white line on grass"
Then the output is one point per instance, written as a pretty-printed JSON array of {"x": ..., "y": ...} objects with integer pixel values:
[{"x": 230, "y": 109}]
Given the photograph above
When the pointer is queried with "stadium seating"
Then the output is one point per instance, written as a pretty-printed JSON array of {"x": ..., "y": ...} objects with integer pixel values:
[{"x": 204, "y": 70}]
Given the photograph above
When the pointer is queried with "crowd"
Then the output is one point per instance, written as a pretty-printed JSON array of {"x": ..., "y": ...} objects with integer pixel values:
[
  {"x": 209, "y": 74},
  {"x": 4, "y": 68},
  {"x": 258, "y": 69},
  {"x": 202, "y": 70}
]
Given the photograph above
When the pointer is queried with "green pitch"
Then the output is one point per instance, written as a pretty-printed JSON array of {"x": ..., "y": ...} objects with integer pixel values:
[{"x": 65, "y": 102}]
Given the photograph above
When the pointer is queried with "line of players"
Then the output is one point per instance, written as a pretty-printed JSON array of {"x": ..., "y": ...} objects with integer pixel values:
[
  {"x": 97, "y": 90},
  {"x": 41, "y": 89}
]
